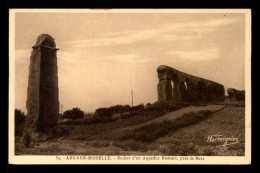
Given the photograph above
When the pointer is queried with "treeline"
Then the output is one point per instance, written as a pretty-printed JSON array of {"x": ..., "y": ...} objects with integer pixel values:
[
  {"x": 118, "y": 109},
  {"x": 113, "y": 113},
  {"x": 101, "y": 115},
  {"x": 19, "y": 122},
  {"x": 73, "y": 114}
]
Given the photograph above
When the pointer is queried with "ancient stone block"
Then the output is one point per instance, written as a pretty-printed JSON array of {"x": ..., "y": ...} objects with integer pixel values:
[
  {"x": 236, "y": 95},
  {"x": 164, "y": 89},
  {"x": 43, "y": 93}
]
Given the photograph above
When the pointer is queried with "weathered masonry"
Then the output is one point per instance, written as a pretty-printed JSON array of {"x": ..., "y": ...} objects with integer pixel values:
[
  {"x": 236, "y": 95},
  {"x": 43, "y": 93},
  {"x": 177, "y": 86}
]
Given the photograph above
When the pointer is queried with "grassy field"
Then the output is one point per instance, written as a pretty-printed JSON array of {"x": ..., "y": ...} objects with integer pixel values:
[
  {"x": 182, "y": 132},
  {"x": 192, "y": 140}
]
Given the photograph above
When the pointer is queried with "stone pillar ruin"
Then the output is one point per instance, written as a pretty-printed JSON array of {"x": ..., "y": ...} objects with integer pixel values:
[
  {"x": 43, "y": 92},
  {"x": 187, "y": 88},
  {"x": 236, "y": 95},
  {"x": 177, "y": 97},
  {"x": 183, "y": 91},
  {"x": 164, "y": 87}
]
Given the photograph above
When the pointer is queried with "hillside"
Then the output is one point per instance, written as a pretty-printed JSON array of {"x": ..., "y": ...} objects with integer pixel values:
[
  {"x": 192, "y": 140},
  {"x": 105, "y": 138}
]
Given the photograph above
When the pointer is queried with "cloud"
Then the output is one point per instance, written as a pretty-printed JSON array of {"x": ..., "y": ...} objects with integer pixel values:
[
  {"x": 115, "y": 39},
  {"x": 170, "y": 32},
  {"x": 197, "y": 55},
  {"x": 68, "y": 57},
  {"x": 129, "y": 58},
  {"x": 22, "y": 55}
]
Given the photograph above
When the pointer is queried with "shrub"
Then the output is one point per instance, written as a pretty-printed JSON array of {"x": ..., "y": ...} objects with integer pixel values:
[
  {"x": 75, "y": 113},
  {"x": 19, "y": 117},
  {"x": 119, "y": 109},
  {"x": 129, "y": 114},
  {"x": 147, "y": 105},
  {"x": 19, "y": 122},
  {"x": 124, "y": 111},
  {"x": 99, "y": 119},
  {"x": 103, "y": 112},
  {"x": 160, "y": 108},
  {"x": 156, "y": 109},
  {"x": 138, "y": 107},
  {"x": 113, "y": 110}
]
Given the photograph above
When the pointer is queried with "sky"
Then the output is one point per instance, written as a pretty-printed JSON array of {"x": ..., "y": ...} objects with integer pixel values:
[{"x": 103, "y": 56}]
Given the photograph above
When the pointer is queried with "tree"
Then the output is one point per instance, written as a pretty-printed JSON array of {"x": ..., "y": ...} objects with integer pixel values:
[
  {"x": 104, "y": 112},
  {"x": 75, "y": 113},
  {"x": 19, "y": 122},
  {"x": 19, "y": 117}
]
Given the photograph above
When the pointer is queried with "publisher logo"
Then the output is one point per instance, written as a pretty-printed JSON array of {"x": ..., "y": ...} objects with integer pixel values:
[{"x": 220, "y": 138}]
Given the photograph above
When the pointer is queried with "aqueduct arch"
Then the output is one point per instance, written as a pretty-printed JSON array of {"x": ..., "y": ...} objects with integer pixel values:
[{"x": 187, "y": 88}]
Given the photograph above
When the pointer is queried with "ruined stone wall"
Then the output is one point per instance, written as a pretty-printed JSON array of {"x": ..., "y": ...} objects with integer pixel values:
[
  {"x": 187, "y": 88},
  {"x": 236, "y": 95},
  {"x": 42, "y": 94}
]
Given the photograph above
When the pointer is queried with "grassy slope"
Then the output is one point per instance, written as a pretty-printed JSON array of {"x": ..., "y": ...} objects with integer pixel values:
[
  {"x": 102, "y": 138},
  {"x": 192, "y": 140}
]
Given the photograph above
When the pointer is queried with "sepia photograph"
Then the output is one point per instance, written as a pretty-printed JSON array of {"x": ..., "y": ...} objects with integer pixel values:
[{"x": 130, "y": 86}]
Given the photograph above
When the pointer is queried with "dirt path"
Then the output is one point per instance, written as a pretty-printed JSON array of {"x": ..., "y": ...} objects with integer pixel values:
[{"x": 171, "y": 116}]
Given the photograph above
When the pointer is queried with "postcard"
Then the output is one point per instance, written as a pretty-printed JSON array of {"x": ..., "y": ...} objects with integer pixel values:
[{"x": 130, "y": 86}]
